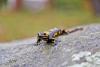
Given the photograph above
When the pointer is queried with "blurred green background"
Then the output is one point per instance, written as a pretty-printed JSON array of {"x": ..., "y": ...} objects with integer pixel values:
[{"x": 19, "y": 22}]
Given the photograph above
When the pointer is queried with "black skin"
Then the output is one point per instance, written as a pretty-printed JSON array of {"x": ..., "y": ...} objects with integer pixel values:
[
  {"x": 38, "y": 40},
  {"x": 50, "y": 40},
  {"x": 47, "y": 40},
  {"x": 63, "y": 32}
]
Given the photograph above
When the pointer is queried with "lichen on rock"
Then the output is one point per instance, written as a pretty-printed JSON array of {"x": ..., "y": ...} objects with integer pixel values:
[{"x": 79, "y": 49}]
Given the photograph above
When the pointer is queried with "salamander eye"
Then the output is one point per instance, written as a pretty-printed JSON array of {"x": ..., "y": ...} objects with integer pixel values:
[{"x": 44, "y": 33}]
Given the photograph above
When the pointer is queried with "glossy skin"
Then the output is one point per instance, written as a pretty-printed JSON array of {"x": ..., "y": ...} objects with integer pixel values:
[{"x": 50, "y": 36}]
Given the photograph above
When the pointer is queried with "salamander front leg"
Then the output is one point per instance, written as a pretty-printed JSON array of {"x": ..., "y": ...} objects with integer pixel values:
[{"x": 38, "y": 41}]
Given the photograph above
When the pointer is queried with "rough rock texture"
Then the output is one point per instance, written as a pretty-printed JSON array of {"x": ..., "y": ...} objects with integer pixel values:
[{"x": 79, "y": 49}]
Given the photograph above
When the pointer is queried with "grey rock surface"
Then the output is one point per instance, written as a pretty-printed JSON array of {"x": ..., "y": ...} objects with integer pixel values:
[{"x": 79, "y": 49}]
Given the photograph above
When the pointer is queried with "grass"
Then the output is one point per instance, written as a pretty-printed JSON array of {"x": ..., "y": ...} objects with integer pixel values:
[{"x": 16, "y": 25}]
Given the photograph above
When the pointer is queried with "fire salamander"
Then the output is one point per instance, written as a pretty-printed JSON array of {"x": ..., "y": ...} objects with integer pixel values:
[{"x": 50, "y": 36}]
